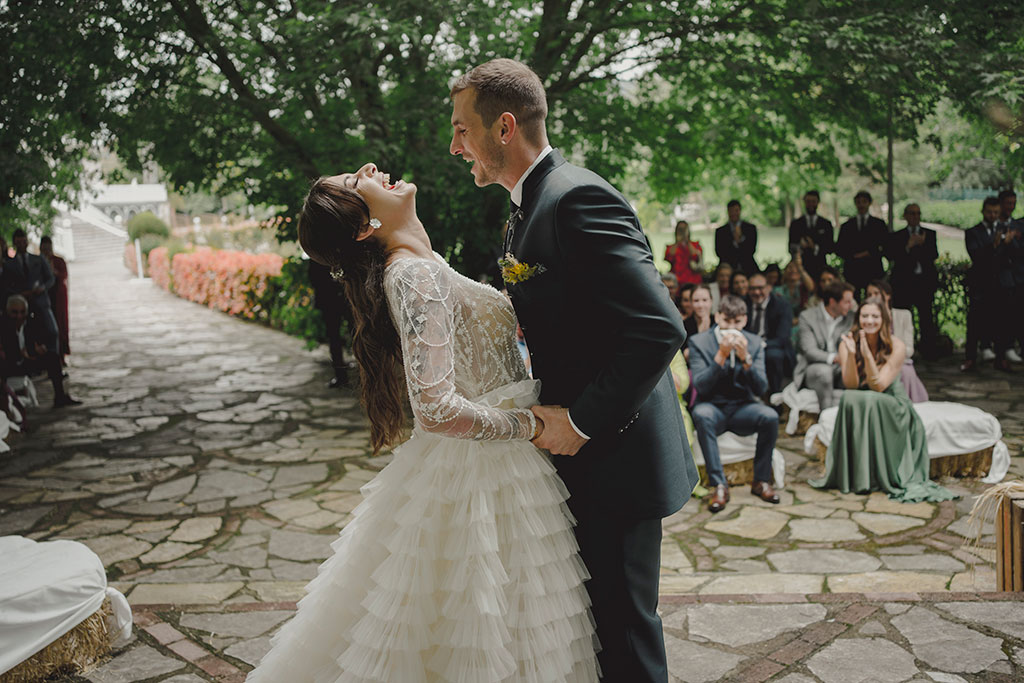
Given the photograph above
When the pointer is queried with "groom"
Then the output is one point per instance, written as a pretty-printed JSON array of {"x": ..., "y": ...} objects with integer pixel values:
[{"x": 601, "y": 331}]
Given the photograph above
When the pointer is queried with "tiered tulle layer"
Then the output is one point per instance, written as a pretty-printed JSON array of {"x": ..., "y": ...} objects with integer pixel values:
[{"x": 460, "y": 566}]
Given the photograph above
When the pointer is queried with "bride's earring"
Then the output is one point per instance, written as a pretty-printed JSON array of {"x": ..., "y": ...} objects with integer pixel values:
[{"x": 374, "y": 223}]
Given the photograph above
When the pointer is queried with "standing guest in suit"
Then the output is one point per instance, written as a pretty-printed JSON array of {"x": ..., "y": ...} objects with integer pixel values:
[
  {"x": 329, "y": 298},
  {"x": 861, "y": 245},
  {"x": 1007, "y": 205},
  {"x": 30, "y": 276},
  {"x": 728, "y": 373},
  {"x": 913, "y": 252},
  {"x": 736, "y": 241},
  {"x": 902, "y": 327},
  {"x": 1008, "y": 245},
  {"x": 770, "y": 317},
  {"x": 24, "y": 351},
  {"x": 720, "y": 287},
  {"x": 58, "y": 294},
  {"x": 685, "y": 256},
  {"x": 983, "y": 286},
  {"x": 821, "y": 328},
  {"x": 601, "y": 332},
  {"x": 739, "y": 285},
  {"x": 811, "y": 235}
]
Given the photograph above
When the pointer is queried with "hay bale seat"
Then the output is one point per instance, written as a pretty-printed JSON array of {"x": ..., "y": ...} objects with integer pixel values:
[
  {"x": 963, "y": 441},
  {"x": 737, "y": 455},
  {"x": 57, "y": 614},
  {"x": 799, "y": 408}
]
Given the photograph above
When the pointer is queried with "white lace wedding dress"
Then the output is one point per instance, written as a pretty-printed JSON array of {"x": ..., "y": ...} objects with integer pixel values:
[{"x": 460, "y": 564}]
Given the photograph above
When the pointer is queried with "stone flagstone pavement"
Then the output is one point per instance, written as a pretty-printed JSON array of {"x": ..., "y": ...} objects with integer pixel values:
[{"x": 210, "y": 469}]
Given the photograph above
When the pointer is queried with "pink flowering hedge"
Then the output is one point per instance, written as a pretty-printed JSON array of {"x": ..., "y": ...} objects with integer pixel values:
[
  {"x": 229, "y": 281},
  {"x": 160, "y": 267}
]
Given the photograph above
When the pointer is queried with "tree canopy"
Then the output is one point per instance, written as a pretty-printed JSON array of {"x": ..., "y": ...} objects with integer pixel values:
[{"x": 261, "y": 96}]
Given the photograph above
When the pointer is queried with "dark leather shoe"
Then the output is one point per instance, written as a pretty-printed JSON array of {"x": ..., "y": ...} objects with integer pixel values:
[
  {"x": 65, "y": 400},
  {"x": 1003, "y": 365},
  {"x": 968, "y": 366},
  {"x": 764, "y": 491},
  {"x": 719, "y": 497}
]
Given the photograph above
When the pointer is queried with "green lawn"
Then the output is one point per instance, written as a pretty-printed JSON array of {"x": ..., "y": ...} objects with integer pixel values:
[{"x": 772, "y": 246}]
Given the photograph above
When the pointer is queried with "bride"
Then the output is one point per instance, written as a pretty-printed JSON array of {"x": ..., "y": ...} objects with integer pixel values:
[{"x": 460, "y": 563}]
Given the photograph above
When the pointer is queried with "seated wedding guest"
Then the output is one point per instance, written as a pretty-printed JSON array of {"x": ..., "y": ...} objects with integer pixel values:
[
  {"x": 796, "y": 286},
  {"x": 701, "y": 320},
  {"x": 25, "y": 351},
  {"x": 672, "y": 285},
  {"x": 736, "y": 241},
  {"x": 720, "y": 287},
  {"x": 912, "y": 253},
  {"x": 983, "y": 286},
  {"x": 58, "y": 294},
  {"x": 685, "y": 256},
  {"x": 811, "y": 235},
  {"x": 773, "y": 274},
  {"x": 879, "y": 441},
  {"x": 770, "y": 318},
  {"x": 902, "y": 329},
  {"x": 821, "y": 327},
  {"x": 728, "y": 373},
  {"x": 827, "y": 277},
  {"x": 739, "y": 285},
  {"x": 861, "y": 245},
  {"x": 686, "y": 300}
]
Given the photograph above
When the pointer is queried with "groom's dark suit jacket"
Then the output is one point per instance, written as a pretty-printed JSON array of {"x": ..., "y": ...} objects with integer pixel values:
[{"x": 602, "y": 330}]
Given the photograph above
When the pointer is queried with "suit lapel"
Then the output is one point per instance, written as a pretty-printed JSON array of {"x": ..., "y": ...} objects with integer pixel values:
[{"x": 531, "y": 186}]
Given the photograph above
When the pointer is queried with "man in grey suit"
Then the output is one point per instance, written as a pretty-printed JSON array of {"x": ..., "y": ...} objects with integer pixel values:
[
  {"x": 821, "y": 329},
  {"x": 30, "y": 276}
]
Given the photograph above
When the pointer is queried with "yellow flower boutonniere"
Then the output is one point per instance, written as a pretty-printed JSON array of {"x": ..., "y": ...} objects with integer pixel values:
[{"x": 514, "y": 271}]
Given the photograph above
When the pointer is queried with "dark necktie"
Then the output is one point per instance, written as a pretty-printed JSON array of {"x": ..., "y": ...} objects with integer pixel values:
[
  {"x": 758, "y": 311},
  {"x": 860, "y": 222}
]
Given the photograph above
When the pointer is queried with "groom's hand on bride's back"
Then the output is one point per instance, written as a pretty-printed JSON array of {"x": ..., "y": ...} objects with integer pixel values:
[{"x": 558, "y": 436}]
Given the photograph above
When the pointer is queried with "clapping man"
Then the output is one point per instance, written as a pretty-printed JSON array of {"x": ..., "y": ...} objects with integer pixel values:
[
  {"x": 983, "y": 282},
  {"x": 736, "y": 241},
  {"x": 861, "y": 245},
  {"x": 915, "y": 278},
  {"x": 821, "y": 329},
  {"x": 729, "y": 375},
  {"x": 1007, "y": 204},
  {"x": 811, "y": 235},
  {"x": 770, "y": 317}
]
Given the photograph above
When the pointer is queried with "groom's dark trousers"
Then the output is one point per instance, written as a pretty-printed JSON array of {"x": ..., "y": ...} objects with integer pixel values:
[{"x": 602, "y": 330}]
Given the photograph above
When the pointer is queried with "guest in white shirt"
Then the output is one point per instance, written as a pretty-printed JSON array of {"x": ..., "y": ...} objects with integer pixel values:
[{"x": 821, "y": 329}]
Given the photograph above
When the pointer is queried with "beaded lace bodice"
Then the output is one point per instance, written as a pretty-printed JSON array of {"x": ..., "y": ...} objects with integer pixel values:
[{"x": 458, "y": 343}]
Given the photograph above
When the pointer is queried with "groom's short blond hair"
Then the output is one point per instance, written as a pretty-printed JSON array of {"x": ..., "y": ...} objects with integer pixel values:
[{"x": 505, "y": 85}]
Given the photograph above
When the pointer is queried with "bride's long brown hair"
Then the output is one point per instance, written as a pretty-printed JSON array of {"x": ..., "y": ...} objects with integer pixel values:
[
  {"x": 332, "y": 217},
  {"x": 884, "y": 337}
]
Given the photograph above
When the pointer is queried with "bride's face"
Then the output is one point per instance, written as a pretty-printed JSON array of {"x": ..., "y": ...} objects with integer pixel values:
[{"x": 382, "y": 197}]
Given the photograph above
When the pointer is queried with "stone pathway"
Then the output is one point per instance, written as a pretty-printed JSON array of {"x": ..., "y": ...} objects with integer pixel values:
[{"x": 210, "y": 468}]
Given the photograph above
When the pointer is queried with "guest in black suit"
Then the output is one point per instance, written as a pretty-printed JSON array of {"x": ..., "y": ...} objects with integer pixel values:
[
  {"x": 862, "y": 241},
  {"x": 770, "y": 317},
  {"x": 30, "y": 276},
  {"x": 728, "y": 373},
  {"x": 983, "y": 285},
  {"x": 329, "y": 298},
  {"x": 1007, "y": 205},
  {"x": 913, "y": 252},
  {"x": 811, "y": 235},
  {"x": 23, "y": 342},
  {"x": 736, "y": 241},
  {"x": 601, "y": 332}
]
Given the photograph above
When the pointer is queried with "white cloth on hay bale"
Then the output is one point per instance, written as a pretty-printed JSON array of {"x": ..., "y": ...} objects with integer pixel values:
[
  {"x": 47, "y": 589},
  {"x": 733, "y": 448},
  {"x": 5, "y": 429},
  {"x": 798, "y": 401},
  {"x": 951, "y": 429}
]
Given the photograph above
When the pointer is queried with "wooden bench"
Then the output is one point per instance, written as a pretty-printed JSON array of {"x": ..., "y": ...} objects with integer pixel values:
[{"x": 1010, "y": 543}]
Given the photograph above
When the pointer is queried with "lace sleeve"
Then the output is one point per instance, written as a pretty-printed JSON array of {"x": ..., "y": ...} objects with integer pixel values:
[{"x": 420, "y": 298}]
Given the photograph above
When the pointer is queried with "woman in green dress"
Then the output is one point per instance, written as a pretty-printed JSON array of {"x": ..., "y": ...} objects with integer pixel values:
[{"x": 878, "y": 443}]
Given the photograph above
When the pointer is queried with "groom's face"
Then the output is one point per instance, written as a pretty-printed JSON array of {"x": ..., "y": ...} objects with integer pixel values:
[{"x": 475, "y": 142}]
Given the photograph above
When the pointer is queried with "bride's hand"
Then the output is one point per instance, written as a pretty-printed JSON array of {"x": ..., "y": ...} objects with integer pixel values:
[{"x": 848, "y": 342}]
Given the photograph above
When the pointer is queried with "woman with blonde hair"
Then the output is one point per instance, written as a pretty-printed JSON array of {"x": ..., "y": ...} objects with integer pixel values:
[{"x": 879, "y": 441}]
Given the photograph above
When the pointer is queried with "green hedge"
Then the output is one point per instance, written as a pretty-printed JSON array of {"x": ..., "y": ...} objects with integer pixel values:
[
  {"x": 146, "y": 223},
  {"x": 287, "y": 304},
  {"x": 959, "y": 214}
]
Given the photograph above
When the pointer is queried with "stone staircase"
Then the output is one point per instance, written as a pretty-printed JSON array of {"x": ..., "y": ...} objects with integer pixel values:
[{"x": 93, "y": 237}]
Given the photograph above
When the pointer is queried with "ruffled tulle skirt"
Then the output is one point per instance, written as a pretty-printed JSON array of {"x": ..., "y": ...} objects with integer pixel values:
[{"x": 460, "y": 565}]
